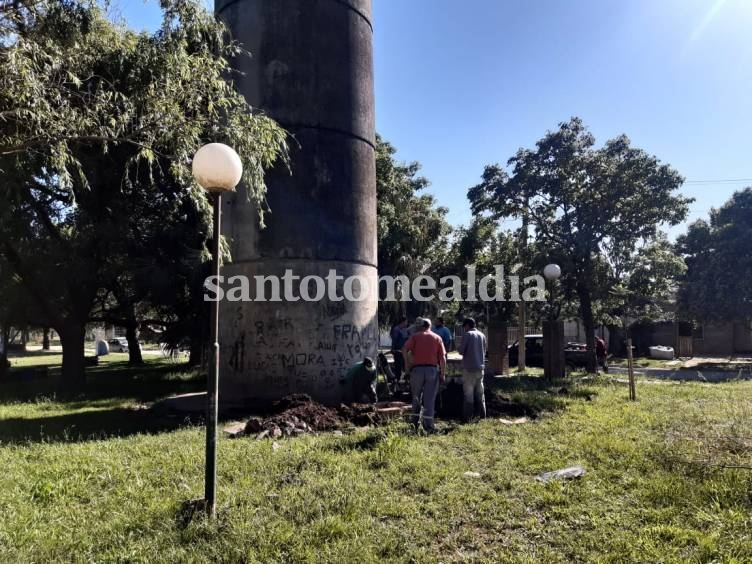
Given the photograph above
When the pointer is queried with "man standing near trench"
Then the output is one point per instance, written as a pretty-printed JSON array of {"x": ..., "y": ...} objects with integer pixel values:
[
  {"x": 473, "y": 351},
  {"x": 426, "y": 360}
]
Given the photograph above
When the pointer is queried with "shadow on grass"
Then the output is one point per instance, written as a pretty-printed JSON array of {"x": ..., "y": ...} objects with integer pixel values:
[
  {"x": 88, "y": 425},
  {"x": 109, "y": 388},
  {"x": 534, "y": 394},
  {"x": 155, "y": 379},
  {"x": 515, "y": 396},
  {"x": 363, "y": 443},
  {"x": 38, "y": 353}
]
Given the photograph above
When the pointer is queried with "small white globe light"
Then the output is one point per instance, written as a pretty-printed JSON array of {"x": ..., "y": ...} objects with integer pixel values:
[
  {"x": 552, "y": 272},
  {"x": 217, "y": 168}
]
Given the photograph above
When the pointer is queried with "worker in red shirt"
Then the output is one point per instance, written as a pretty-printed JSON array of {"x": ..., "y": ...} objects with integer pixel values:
[{"x": 426, "y": 363}]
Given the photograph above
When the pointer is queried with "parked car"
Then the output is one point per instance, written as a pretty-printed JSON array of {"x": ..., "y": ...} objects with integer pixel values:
[
  {"x": 118, "y": 344},
  {"x": 575, "y": 354}
]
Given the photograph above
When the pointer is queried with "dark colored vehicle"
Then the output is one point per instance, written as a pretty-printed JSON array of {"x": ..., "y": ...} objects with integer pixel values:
[
  {"x": 575, "y": 354},
  {"x": 118, "y": 344}
]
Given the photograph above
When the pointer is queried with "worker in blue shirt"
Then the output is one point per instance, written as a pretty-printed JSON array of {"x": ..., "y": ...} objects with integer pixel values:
[
  {"x": 442, "y": 331},
  {"x": 399, "y": 338}
]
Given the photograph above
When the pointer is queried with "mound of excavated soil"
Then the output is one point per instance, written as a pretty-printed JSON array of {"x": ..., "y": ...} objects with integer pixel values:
[{"x": 298, "y": 414}]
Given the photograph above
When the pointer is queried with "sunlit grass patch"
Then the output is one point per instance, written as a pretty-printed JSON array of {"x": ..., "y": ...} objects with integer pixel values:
[{"x": 110, "y": 486}]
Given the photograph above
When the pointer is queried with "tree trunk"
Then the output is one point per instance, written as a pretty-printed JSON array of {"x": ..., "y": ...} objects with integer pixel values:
[
  {"x": 72, "y": 336},
  {"x": 195, "y": 357},
  {"x": 586, "y": 311},
  {"x": 134, "y": 347},
  {"x": 46, "y": 339},
  {"x": 5, "y": 336},
  {"x": 615, "y": 337},
  {"x": 199, "y": 342}
]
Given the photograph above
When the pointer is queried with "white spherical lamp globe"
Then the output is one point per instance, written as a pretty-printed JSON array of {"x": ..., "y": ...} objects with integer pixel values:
[
  {"x": 552, "y": 272},
  {"x": 217, "y": 168}
]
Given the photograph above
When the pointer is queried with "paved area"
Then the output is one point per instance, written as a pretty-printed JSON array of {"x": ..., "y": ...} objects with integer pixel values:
[{"x": 682, "y": 374}]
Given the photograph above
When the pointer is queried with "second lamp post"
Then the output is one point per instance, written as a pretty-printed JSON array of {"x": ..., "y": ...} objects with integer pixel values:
[{"x": 553, "y": 329}]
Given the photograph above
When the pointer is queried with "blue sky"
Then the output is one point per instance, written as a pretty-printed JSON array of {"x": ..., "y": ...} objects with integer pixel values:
[{"x": 464, "y": 83}]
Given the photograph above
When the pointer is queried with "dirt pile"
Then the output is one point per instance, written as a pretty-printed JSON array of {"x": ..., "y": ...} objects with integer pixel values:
[
  {"x": 362, "y": 414},
  {"x": 298, "y": 414}
]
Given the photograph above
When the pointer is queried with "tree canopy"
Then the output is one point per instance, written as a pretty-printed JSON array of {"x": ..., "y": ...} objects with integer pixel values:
[
  {"x": 98, "y": 126},
  {"x": 590, "y": 207},
  {"x": 483, "y": 245},
  {"x": 718, "y": 282},
  {"x": 412, "y": 227}
]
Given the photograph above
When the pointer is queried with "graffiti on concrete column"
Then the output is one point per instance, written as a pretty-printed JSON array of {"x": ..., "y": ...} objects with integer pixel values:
[
  {"x": 281, "y": 356},
  {"x": 237, "y": 356}
]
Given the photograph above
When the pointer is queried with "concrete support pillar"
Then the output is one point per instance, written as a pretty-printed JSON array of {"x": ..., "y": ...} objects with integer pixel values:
[
  {"x": 311, "y": 70},
  {"x": 498, "y": 362}
]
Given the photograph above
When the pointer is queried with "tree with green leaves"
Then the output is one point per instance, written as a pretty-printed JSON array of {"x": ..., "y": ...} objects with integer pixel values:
[
  {"x": 98, "y": 122},
  {"x": 643, "y": 289},
  {"x": 645, "y": 284},
  {"x": 590, "y": 207},
  {"x": 484, "y": 245},
  {"x": 152, "y": 271},
  {"x": 412, "y": 227},
  {"x": 718, "y": 282}
]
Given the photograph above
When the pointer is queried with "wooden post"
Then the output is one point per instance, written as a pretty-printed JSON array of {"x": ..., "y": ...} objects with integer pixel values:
[{"x": 630, "y": 369}]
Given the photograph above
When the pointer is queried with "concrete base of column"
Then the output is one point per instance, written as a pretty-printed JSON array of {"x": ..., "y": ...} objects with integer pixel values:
[{"x": 272, "y": 349}]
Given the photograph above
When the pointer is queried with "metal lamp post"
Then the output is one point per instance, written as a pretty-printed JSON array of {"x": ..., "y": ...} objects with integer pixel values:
[
  {"x": 553, "y": 329},
  {"x": 217, "y": 168}
]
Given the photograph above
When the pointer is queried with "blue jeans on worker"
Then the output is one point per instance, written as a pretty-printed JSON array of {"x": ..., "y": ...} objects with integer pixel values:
[
  {"x": 474, "y": 403},
  {"x": 424, "y": 384}
]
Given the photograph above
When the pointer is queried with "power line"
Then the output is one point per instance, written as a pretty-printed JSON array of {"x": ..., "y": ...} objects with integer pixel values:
[{"x": 720, "y": 181}]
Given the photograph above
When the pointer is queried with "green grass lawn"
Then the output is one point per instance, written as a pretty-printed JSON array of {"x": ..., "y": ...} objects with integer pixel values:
[
  {"x": 95, "y": 480},
  {"x": 53, "y": 360}
]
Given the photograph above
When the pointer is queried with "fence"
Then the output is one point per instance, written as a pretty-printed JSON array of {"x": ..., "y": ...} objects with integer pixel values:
[{"x": 513, "y": 334}]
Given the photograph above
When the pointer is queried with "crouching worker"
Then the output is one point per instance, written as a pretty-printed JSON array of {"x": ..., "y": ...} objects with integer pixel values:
[
  {"x": 473, "y": 351},
  {"x": 360, "y": 382},
  {"x": 426, "y": 359}
]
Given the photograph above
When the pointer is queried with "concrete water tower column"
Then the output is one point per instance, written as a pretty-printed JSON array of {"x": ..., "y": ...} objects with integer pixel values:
[{"x": 311, "y": 69}]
